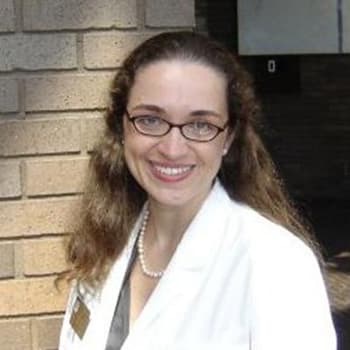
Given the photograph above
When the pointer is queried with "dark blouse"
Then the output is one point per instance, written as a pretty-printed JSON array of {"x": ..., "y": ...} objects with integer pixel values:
[{"x": 120, "y": 323}]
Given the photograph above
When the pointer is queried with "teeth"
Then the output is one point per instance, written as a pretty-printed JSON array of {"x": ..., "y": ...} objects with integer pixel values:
[{"x": 172, "y": 171}]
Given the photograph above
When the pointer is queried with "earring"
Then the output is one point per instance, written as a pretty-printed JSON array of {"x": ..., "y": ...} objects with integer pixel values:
[
  {"x": 122, "y": 142},
  {"x": 224, "y": 152}
]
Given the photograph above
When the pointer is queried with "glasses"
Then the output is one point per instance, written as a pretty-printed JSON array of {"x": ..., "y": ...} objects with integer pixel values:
[{"x": 198, "y": 130}]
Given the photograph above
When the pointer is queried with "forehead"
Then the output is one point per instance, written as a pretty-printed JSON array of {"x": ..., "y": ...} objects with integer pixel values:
[{"x": 179, "y": 82}]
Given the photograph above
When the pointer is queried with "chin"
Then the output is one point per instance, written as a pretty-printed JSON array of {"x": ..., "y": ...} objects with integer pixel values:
[
  {"x": 178, "y": 199},
  {"x": 170, "y": 199}
]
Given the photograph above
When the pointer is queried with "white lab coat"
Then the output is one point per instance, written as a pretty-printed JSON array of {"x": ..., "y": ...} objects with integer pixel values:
[{"x": 236, "y": 281}]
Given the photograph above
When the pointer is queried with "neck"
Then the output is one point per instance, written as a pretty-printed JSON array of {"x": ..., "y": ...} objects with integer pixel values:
[
  {"x": 161, "y": 232},
  {"x": 157, "y": 245},
  {"x": 168, "y": 223},
  {"x": 166, "y": 227}
]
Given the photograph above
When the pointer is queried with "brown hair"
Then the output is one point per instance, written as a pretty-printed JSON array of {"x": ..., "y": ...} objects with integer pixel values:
[{"x": 113, "y": 199}]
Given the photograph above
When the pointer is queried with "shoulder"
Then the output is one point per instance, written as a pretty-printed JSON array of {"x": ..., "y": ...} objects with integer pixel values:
[
  {"x": 265, "y": 238},
  {"x": 270, "y": 251},
  {"x": 260, "y": 235},
  {"x": 286, "y": 288},
  {"x": 287, "y": 291},
  {"x": 266, "y": 247}
]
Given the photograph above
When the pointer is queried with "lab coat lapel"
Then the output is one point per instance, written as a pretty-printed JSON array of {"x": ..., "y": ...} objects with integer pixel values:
[
  {"x": 107, "y": 299},
  {"x": 188, "y": 268}
]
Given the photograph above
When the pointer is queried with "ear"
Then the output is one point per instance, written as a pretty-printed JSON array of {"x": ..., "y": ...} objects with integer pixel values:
[{"x": 229, "y": 139}]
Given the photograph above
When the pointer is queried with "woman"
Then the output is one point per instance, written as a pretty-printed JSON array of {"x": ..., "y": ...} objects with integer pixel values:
[{"x": 187, "y": 240}]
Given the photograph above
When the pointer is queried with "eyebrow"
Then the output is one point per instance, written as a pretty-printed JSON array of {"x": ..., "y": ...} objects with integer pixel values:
[
  {"x": 196, "y": 113},
  {"x": 204, "y": 112},
  {"x": 153, "y": 108}
]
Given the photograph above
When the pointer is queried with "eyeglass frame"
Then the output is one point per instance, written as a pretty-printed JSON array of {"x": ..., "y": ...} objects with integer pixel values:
[{"x": 173, "y": 125}]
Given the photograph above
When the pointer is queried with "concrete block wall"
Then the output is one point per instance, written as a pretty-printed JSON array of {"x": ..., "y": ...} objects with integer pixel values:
[{"x": 56, "y": 61}]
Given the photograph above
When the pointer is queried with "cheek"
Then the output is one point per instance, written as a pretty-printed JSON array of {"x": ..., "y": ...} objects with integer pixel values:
[
  {"x": 133, "y": 161},
  {"x": 130, "y": 149},
  {"x": 128, "y": 130},
  {"x": 131, "y": 153},
  {"x": 128, "y": 160},
  {"x": 130, "y": 139},
  {"x": 136, "y": 148},
  {"x": 217, "y": 162},
  {"x": 213, "y": 156}
]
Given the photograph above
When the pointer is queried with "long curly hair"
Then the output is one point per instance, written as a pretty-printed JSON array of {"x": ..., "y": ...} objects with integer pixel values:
[{"x": 113, "y": 199}]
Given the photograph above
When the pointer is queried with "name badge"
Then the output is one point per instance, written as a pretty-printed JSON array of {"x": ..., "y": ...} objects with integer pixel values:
[{"x": 80, "y": 317}]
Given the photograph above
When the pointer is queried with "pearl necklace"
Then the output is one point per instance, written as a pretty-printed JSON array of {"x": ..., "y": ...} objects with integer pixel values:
[{"x": 141, "y": 250}]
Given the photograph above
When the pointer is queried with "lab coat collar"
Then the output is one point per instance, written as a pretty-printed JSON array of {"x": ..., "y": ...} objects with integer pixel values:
[
  {"x": 202, "y": 235},
  {"x": 182, "y": 277},
  {"x": 197, "y": 249}
]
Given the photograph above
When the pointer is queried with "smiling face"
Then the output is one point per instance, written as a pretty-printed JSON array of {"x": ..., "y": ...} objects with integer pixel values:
[{"x": 172, "y": 170}]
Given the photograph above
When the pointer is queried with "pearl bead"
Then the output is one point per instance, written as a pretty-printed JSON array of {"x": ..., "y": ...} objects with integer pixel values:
[{"x": 141, "y": 250}]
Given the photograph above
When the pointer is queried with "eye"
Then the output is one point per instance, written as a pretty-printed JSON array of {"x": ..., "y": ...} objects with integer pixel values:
[
  {"x": 148, "y": 120},
  {"x": 201, "y": 127}
]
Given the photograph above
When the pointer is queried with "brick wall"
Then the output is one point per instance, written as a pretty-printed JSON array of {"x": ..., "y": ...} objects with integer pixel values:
[{"x": 56, "y": 61}]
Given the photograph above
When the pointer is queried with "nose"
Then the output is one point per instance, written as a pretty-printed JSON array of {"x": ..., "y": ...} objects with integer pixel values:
[{"x": 173, "y": 145}]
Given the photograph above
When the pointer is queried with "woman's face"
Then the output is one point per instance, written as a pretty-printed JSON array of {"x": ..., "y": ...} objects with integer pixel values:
[{"x": 175, "y": 171}]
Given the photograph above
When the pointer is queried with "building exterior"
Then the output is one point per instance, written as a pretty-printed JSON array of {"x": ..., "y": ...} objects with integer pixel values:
[{"x": 56, "y": 61}]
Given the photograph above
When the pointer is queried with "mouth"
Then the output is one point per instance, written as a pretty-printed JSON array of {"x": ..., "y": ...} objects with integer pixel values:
[{"x": 171, "y": 173}]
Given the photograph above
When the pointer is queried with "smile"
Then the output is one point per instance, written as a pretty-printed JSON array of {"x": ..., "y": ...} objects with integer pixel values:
[
  {"x": 167, "y": 173},
  {"x": 172, "y": 171}
]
